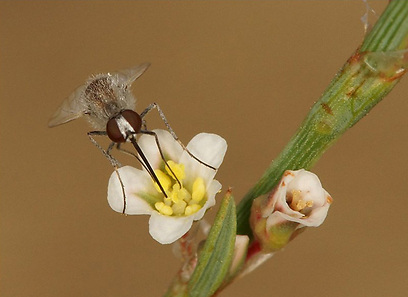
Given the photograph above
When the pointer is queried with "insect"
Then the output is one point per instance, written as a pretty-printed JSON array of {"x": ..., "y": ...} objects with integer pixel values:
[{"x": 108, "y": 103}]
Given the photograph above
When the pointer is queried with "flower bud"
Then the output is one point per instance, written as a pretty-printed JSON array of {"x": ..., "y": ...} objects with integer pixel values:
[{"x": 298, "y": 201}]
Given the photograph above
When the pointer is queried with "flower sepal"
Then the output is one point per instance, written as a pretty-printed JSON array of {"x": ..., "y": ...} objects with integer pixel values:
[{"x": 271, "y": 238}]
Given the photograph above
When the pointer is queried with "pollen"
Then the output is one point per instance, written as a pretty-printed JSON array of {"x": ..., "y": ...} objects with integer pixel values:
[
  {"x": 181, "y": 200},
  {"x": 297, "y": 203}
]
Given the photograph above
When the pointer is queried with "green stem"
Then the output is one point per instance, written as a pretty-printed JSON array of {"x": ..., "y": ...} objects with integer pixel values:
[{"x": 355, "y": 90}]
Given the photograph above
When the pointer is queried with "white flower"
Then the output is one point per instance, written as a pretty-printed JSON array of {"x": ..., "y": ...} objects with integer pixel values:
[
  {"x": 188, "y": 197},
  {"x": 298, "y": 201},
  {"x": 299, "y": 198}
]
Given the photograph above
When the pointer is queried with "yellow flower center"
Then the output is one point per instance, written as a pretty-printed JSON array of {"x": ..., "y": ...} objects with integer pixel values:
[{"x": 179, "y": 201}]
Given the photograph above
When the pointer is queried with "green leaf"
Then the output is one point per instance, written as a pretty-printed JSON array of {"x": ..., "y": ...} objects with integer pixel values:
[{"x": 215, "y": 258}]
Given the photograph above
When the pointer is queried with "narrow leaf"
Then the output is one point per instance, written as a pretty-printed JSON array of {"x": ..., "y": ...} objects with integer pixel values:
[{"x": 215, "y": 258}]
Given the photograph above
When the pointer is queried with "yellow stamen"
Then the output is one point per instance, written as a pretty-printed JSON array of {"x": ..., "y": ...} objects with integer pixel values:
[
  {"x": 179, "y": 208},
  {"x": 178, "y": 170},
  {"x": 167, "y": 200},
  {"x": 184, "y": 194},
  {"x": 192, "y": 202},
  {"x": 164, "y": 180},
  {"x": 192, "y": 209},
  {"x": 175, "y": 193},
  {"x": 163, "y": 208},
  {"x": 198, "y": 189},
  {"x": 179, "y": 201}
]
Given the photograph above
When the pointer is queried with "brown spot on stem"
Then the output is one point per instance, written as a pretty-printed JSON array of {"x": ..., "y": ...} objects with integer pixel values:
[
  {"x": 394, "y": 77},
  {"x": 355, "y": 57},
  {"x": 354, "y": 90},
  {"x": 350, "y": 93},
  {"x": 327, "y": 108}
]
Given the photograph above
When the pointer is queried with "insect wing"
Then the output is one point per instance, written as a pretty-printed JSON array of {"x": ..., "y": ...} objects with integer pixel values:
[
  {"x": 130, "y": 75},
  {"x": 70, "y": 109}
]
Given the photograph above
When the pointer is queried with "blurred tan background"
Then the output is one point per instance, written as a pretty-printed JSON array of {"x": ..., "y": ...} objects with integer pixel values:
[{"x": 247, "y": 70}]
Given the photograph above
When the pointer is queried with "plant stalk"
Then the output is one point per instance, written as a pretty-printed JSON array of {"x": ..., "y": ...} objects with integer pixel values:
[{"x": 365, "y": 79}]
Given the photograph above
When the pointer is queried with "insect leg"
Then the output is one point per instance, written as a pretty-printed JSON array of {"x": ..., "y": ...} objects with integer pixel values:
[
  {"x": 115, "y": 163},
  {"x": 123, "y": 191},
  {"x": 106, "y": 153},
  {"x": 161, "y": 152},
  {"x": 164, "y": 119}
]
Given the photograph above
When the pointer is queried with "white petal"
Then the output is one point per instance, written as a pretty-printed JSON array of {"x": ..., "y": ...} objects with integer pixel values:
[
  {"x": 240, "y": 252},
  {"x": 314, "y": 219},
  {"x": 208, "y": 148},
  {"x": 167, "y": 229},
  {"x": 214, "y": 187},
  {"x": 310, "y": 185},
  {"x": 317, "y": 216},
  {"x": 170, "y": 147},
  {"x": 135, "y": 182},
  {"x": 277, "y": 199}
]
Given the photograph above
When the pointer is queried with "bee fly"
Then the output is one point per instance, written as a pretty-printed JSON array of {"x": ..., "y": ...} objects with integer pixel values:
[{"x": 108, "y": 103}]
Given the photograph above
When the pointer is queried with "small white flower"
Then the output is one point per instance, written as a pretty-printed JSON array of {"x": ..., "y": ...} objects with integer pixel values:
[
  {"x": 298, "y": 201},
  {"x": 187, "y": 201},
  {"x": 299, "y": 198}
]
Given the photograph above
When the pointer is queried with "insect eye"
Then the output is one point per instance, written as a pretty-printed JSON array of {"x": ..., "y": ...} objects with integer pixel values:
[
  {"x": 131, "y": 117},
  {"x": 113, "y": 131}
]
